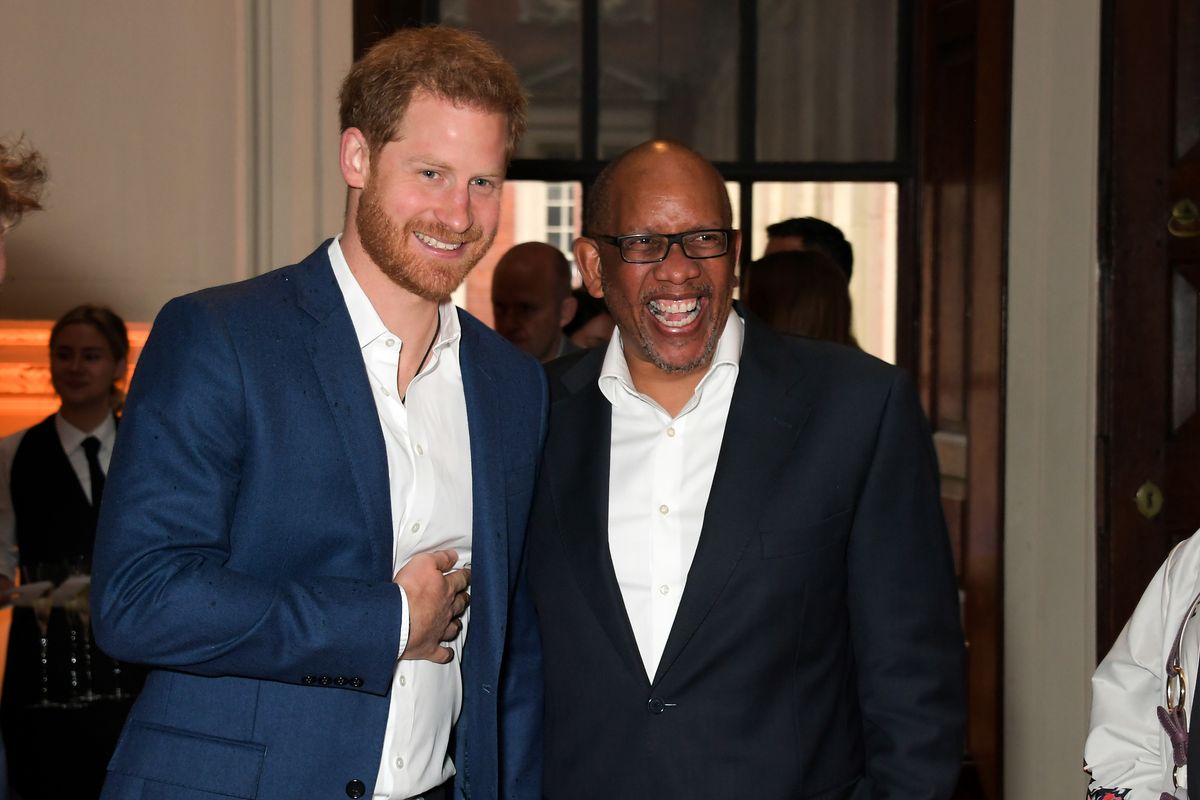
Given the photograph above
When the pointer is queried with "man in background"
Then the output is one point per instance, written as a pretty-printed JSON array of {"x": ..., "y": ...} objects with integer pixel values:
[
  {"x": 531, "y": 299},
  {"x": 309, "y": 463},
  {"x": 810, "y": 233}
]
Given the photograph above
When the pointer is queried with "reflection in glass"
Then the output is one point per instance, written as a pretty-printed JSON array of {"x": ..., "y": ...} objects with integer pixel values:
[
  {"x": 867, "y": 216},
  {"x": 827, "y": 80},
  {"x": 541, "y": 39},
  {"x": 669, "y": 70}
]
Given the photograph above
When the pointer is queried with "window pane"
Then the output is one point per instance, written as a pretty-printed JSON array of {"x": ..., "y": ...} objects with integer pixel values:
[
  {"x": 531, "y": 211},
  {"x": 827, "y": 80},
  {"x": 541, "y": 39},
  {"x": 669, "y": 70},
  {"x": 866, "y": 215}
]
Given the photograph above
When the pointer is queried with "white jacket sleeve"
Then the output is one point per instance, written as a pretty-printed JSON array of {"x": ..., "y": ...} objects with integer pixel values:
[{"x": 1127, "y": 748}]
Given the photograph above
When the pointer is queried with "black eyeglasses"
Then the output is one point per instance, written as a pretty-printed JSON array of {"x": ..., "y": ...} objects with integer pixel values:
[{"x": 650, "y": 248}]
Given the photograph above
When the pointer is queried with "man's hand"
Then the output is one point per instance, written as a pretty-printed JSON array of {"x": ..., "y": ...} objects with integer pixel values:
[{"x": 437, "y": 599}]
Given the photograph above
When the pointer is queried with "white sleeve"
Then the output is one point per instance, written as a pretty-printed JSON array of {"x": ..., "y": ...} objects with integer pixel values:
[
  {"x": 1127, "y": 748},
  {"x": 8, "y": 516}
]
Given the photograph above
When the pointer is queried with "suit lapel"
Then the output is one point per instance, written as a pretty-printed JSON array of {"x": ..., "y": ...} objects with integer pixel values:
[
  {"x": 338, "y": 362},
  {"x": 489, "y": 527},
  {"x": 770, "y": 405},
  {"x": 577, "y": 465}
]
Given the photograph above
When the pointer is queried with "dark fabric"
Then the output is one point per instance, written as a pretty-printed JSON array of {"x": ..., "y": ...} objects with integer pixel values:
[
  {"x": 91, "y": 449},
  {"x": 58, "y": 740},
  {"x": 1193, "y": 748},
  {"x": 56, "y": 523},
  {"x": 816, "y": 651}
]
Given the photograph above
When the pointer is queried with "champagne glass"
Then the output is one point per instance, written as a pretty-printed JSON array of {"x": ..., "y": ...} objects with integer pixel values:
[{"x": 41, "y": 615}]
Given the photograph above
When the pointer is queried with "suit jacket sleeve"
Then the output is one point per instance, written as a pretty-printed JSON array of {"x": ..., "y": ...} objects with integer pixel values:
[
  {"x": 905, "y": 626},
  {"x": 164, "y": 593}
]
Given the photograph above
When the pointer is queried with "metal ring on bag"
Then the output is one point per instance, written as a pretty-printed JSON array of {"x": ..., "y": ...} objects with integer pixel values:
[{"x": 1176, "y": 689}]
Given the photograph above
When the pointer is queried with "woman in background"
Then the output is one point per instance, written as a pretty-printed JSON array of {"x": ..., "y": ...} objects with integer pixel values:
[
  {"x": 58, "y": 730},
  {"x": 801, "y": 292}
]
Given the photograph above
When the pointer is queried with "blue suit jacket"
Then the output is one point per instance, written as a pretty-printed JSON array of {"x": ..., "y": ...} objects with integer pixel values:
[{"x": 244, "y": 551}]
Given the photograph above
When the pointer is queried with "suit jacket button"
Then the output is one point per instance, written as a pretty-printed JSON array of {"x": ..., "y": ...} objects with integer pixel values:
[
  {"x": 655, "y": 705},
  {"x": 309, "y": 680},
  {"x": 356, "y": 683},
  {"x": 340, "y": 681},
  {"x": 355, "y": 789},
  {"x": 324, "y": 680}
]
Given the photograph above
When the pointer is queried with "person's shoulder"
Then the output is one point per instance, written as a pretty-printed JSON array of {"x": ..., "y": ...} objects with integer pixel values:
[
  {"x": 250, "y": 302},
  {"x": 838, "y": 362}
]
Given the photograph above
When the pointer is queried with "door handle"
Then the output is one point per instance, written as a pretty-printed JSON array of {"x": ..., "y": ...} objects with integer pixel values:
[{"x": 1185, "y": 219}]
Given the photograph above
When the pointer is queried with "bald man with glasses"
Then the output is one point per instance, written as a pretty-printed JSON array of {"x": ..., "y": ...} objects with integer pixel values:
[{"x": 736, "y": 548}]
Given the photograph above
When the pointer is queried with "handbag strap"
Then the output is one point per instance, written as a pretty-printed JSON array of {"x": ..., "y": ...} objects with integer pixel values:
[{"x": 1173, "y": 717}]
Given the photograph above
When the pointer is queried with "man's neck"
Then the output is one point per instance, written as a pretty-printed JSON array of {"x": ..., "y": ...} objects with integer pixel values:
[
  {"x": 671, "y": 390},
  {"x": 409, "y": 316}
]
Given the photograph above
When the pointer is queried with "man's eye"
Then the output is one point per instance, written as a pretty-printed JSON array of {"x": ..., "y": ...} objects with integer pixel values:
[
  {"x": 640, "y": 242},
  {"x": 483, "y": 182},
  {"x": 428, "y": 173}
]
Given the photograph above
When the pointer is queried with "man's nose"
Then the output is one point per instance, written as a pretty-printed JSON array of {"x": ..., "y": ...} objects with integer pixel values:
[
  {"x": 676, "y": 267},
  {"x": 455, "y": 209}
]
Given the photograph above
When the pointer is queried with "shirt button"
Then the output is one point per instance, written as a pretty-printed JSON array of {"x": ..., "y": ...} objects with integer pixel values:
[
  {"x": 386, "y": 393},
  {"x": 403, "y": 681},
  {"x": 416, "y": 527},
  {"x": 671, "y": 432},
  {"x": 663, "y": 509},
  {"x": 664, "y": 589},
  {"x": 420, "y": 450},
  {"x": 399, "y": 763},
  {"x": 390, "y": 342}
]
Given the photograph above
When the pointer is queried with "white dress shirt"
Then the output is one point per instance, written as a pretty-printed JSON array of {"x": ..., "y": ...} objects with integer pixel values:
[
  {"x": 71, "y": 439},
  {"x": 660, "y": 473},
  {"x": 429, "y": 474}
]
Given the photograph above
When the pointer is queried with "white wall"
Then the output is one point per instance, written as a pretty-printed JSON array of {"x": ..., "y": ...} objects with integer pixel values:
[
  {"x": 1051, "y": 403},
  {"x": 190, "y": 142}
]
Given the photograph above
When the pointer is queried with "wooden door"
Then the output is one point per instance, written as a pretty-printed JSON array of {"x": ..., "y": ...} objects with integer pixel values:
[
  {"x": 1149, "y": 447},
  {"x": 964, "y": 61}
]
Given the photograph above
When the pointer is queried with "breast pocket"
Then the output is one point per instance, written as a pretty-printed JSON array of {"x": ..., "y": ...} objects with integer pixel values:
[{"x": 791, "y": 542}]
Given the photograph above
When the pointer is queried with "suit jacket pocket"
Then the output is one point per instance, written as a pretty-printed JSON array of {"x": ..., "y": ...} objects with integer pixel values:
[
  {"x": 196, "y": 761},
  {"x": 791, "y": 542}
]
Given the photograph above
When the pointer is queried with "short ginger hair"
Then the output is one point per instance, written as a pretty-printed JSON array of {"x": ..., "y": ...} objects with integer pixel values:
[{"x": 448, "y": 63}]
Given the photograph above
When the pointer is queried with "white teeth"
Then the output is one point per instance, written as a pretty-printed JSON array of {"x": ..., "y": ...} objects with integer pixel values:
[
  {"x": 437, "y": 243},
  {"x": 675, "y": 313}
]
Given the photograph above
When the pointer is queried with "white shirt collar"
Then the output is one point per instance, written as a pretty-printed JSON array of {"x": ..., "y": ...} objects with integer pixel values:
[
  {"x": 71, "y": 437},
  {"x": 615, "y": 371},
  {"x": 367, "y": 325}
]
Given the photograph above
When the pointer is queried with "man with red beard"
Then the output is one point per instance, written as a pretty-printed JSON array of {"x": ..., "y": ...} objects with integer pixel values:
[
  {"x": 309, "y": 465},
  {"x": 737, "y": 552}
]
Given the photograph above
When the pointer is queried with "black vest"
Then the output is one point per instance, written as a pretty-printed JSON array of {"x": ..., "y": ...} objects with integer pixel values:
[{"x": 56, "y": 523}]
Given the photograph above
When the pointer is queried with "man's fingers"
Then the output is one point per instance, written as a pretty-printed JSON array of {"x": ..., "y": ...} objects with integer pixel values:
[
  {"x": 445, "y": 559},
  {"x": 459, "y": 580}
]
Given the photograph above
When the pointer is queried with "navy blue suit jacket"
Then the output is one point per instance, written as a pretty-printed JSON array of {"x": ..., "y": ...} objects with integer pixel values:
[{"x": 245, "y": 552}]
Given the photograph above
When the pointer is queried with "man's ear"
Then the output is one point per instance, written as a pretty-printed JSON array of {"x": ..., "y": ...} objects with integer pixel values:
[
  {"x": 354, "y": 158},
  {"x": 566, "y": 310},
  {"x": 587, "y": 258}
]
